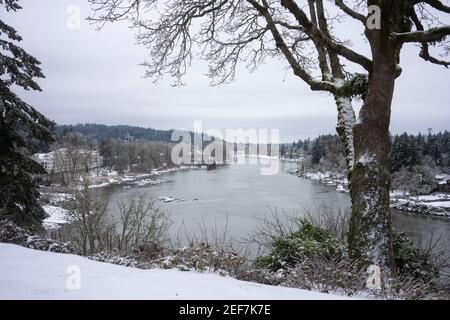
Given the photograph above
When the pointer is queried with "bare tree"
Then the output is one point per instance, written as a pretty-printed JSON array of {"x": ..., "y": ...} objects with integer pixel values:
[
  {"x": 142, "y": 225},
  {"x": 69, "y": 159},
  {"x": 227, "y": 32},
  {"x": 88, "y": 217}
]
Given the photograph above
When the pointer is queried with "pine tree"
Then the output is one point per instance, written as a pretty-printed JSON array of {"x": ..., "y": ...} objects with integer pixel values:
[
  {"x": 405, "y": 152},
  {"x": 317, "y": 151},
  {"x": 20, "y": 125}
]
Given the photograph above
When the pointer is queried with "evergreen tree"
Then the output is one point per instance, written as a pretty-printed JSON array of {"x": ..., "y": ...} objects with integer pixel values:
[
  {"x": 306, "y": 145},
  {"x": 405, "y": 152},
  {"x": 317, "y": 151},
  {"x": 283, "y": 150},
  {"x": 20, "y": 124}
]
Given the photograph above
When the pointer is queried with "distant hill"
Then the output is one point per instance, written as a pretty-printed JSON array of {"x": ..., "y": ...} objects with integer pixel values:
[{"x": 101, "y": 132}]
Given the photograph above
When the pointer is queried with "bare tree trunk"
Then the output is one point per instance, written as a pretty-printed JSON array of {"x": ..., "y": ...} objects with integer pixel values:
[{"x": 370, "y": 224}]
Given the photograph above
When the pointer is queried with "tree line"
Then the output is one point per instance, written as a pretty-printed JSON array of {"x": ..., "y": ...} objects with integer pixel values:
[
  {"x": 406, "y": 151},
  {"x": 100, "y": 132}
]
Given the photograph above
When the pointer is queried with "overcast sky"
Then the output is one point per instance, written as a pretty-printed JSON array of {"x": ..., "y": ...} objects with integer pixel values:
[{"x": 95, "y": 76}]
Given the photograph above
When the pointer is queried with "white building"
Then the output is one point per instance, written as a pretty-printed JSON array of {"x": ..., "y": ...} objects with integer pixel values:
[{"x": 65, "y": 160}]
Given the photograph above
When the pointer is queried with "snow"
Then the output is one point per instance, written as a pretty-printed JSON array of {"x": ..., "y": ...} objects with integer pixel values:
[
  {"x": 365, "y": 159},
  {"x": 346, "y": 120},
  {"x": 432, "y": 197},
  {"x": 145, "y": 182},
  {"x": 57, "y": 216},
  {"x": 171, "y": 199},
  {"x": 32, "y": 274},
  {"x": 398, "y": 193},
  {"x": 439, "y": 204},
  {"x": 101, "y": 185},
  {"x": 141, "y": 179},
  {"x": 340, "y": 188}
]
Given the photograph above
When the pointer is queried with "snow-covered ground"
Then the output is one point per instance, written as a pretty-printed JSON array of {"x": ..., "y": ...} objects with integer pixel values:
[
  {"x": 57, "y": 216},
  {"x": 110, "y": 177},
  {"x": 437, "y": 204},
  {"x": 32, "y": 274}
]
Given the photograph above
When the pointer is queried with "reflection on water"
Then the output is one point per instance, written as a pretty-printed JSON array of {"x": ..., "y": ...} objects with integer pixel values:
[{"x": 237, "y": 195}]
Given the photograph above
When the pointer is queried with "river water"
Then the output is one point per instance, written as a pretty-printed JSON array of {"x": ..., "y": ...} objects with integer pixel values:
[{"x": 238, "y": 196}]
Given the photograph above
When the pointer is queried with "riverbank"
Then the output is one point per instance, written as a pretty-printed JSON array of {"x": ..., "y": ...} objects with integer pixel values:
[
  {"x": 53, "y": 197},
  {"x": 328, "y": 178},
  {"x": 435, "y": 204},
  {"x": 111, "y": 177}
]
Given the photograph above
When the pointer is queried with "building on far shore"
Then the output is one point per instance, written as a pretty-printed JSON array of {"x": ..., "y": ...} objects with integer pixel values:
[{"x": 69, "y": 160}]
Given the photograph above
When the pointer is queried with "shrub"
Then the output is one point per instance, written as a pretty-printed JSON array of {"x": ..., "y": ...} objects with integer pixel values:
[
  {"x": 204, "y": 257},
  {"x": 411, "y": 261},
  {"x": 12, "y": 233},
  {"x": 140, "y": 227},
  {"x": 309, "y": 241},
  {"x": 314, "y": 258}
]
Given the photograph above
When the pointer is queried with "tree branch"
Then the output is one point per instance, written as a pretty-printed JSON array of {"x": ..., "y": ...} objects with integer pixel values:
[
  {"x": 352, "y": 13},
  {"x": 289, "y": 26},
  {"x": 281, "y": 45},
  {"x": 430, "y": 35},
  {"x": 436, "y": 4},
  {"x": 318, "y": 36},
  {"x": 335, "y": 63},
  {"x": 425, "y": 52}
]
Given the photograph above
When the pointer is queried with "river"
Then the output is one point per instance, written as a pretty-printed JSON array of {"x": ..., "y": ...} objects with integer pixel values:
[{"x": 238, "y": 196}]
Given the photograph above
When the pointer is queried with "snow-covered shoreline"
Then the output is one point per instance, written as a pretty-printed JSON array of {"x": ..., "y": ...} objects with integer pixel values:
[
  {"x": 330, "y": 179},
  {"x": 58, "y": 216},
  {"x": 22, "y": 276},
  {"x": 436, "y": 204},
  {"x": 141, "y": 179}
]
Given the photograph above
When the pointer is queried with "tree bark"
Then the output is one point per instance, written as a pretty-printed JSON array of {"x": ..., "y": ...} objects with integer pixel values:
[
  {"x": 370, "y": 224},
  {"x": 344, "y": 128}
]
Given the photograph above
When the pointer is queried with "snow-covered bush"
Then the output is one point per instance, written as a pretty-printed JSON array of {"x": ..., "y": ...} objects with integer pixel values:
[
  {"x": 204, "y": 257},
  {"x": 326, "y": 274},
  {"x": 34, "y": 242},
  {"x": 311, "y": 258},
  {"x": 315, "y": 258},
  {"x": 11, "y": 233},
  {"x": 114, "y": 259}
]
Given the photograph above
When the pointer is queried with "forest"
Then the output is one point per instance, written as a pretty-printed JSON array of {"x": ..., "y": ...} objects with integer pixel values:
[{"x": 406, "y": 151}]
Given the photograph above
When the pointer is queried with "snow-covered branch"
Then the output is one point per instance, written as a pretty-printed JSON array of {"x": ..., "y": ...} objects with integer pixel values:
[{"x": 430, "y": 35}]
